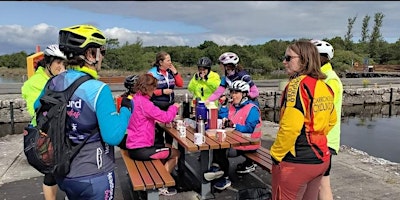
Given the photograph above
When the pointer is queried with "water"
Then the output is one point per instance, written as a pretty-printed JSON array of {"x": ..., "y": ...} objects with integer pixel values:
[
  {"x": 377, "y": 136},
  {"x": 370, "y": 128}
]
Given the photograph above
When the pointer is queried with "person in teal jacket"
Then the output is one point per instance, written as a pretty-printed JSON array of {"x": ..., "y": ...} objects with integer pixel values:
[
  {"x": 205, "y": 81},
  {"x": 93, "y": 110},
  {"x": 326, "y": 52},
  {"x": 52, "y": 64}
]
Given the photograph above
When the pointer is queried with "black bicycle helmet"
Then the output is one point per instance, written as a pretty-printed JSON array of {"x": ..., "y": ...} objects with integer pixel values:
[
  {"x": 130, "y": 81},
  {"x": 204, "y": 62}
]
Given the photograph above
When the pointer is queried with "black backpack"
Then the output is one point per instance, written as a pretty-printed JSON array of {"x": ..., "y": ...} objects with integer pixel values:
[{"x": 46, "y": 146}]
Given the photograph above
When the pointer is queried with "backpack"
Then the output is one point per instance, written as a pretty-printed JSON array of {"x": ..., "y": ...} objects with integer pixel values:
[
  {"x": 46, "y": 146},
  {"x": 257, "y": 193}
]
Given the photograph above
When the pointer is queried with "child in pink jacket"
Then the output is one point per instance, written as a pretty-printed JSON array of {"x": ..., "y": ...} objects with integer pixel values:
[{"x": 141, "y": 127}]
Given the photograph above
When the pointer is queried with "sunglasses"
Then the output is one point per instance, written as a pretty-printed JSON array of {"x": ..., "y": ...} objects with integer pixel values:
[
  {"x": 288, "y": 58},
  {"x": 103, "y": 50}
]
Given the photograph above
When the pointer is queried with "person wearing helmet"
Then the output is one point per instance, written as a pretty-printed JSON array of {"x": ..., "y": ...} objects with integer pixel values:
[
  {"x": 326, "y": 53},
  {"x": 127, "y": 98},
  {"x": 244, "y": 116},
  {"x": 91, "y": 174},
  {"x": 52, "y": 64},
  {"x": 300, "y": 152},
  {"x": 205, "y": 81},
  {"x": 130, "y": 91},
  {"x": 233, "y": 71}
]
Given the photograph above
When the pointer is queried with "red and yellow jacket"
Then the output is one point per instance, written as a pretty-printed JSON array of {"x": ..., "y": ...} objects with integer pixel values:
[{"x": 306, "y": 117}]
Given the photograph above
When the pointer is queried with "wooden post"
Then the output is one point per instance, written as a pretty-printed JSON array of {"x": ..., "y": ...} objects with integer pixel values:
[
  {"x": 12, "y": 117},
  {"x": 31, "y": 61}
]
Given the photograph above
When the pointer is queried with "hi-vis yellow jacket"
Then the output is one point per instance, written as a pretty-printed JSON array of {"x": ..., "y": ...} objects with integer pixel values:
[
  {"x": 306, "y": 117},
  {"x": 32, "y": 88},
  {"x": 335, "y": 83}
]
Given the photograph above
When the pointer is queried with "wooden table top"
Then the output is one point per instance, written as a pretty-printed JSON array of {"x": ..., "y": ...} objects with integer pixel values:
[{"x": 233, "y": 138}]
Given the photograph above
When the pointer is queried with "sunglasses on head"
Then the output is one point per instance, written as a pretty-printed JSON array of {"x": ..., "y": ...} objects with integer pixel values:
[{"x": 288, "y": 58}]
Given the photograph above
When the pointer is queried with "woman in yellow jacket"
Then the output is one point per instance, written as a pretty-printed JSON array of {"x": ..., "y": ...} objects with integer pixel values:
[
  {"x": 205, "y": 81},
  {"x": 300, "y": 151},
  {"x": 52, "y": 64}
]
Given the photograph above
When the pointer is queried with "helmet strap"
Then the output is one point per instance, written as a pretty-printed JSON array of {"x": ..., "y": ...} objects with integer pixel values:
[
  {"x": 48, "y": 66},
  {"x": 91, "y": 63},
  {"x": 244, "y": 99},
  {"x": 49, "y": 69}
]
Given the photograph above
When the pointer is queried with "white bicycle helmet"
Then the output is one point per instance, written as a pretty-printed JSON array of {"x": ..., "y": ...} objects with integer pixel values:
[
  {"x": 229, "y": 57},
  {"x": 54, "y": 50},
  {"x": 241, "y": 86},
  {"x": 324, "y": 47}
]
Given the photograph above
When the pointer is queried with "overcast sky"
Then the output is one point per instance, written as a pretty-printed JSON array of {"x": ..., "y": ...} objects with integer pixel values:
[{"x": 23, "y": 25}]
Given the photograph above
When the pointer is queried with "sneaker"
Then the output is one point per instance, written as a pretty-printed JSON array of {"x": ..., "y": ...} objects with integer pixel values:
[
  {"x": 222, "y": 183},
  {"x": 167, "y": 191},
  {"x": 242, "y": 169},
  {"x": 213, "y": 173}
]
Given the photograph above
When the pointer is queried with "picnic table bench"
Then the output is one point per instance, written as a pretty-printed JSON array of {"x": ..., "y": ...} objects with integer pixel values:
[
  {"x": 262, "y": 158},
  {"x": 147, "y": 176}
]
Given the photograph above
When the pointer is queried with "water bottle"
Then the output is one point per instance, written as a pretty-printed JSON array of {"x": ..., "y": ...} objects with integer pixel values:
[
  {"x": 202, "y": 111},
  {"x": 186, "y": 107},
  {"x": 200, "y": 125},
  {"x": 213, "y": 115}
]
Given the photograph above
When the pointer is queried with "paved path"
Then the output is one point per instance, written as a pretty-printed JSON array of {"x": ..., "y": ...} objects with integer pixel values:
[{"x": 355, "y": 175}]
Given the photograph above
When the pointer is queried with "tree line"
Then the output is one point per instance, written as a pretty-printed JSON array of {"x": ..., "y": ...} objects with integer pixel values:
[{"x": 263, "y": 59}]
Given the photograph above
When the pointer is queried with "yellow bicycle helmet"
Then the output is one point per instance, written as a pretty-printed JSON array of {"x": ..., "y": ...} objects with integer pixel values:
[{"x": 76, "y": 39}]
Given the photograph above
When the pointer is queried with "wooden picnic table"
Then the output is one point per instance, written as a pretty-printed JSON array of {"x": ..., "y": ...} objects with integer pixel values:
[{"x": 186, "y": 144}]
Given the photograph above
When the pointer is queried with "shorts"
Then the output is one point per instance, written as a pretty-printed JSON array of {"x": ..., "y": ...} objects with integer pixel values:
[
  {"x": 99, "y": 187},
  {"x": 49, "y": 180},
  {"x": 150, "y": 153},
  {"x": 328, "y": 171}
]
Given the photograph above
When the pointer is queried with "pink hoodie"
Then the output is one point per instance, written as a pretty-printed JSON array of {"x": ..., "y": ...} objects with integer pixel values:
[{"x": 141, "y": 127}]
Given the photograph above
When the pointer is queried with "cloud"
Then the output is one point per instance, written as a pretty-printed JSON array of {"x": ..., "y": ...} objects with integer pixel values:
[
  {"x": 16, "y": 38},
  {"x": 158, "y": 23}
]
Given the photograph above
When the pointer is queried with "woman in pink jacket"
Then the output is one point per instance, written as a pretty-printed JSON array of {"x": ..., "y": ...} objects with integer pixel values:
[{"x": 141, "y": 128}]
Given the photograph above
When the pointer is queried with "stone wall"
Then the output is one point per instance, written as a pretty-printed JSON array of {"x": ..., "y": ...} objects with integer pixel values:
[{"x": 268, "y": 99}]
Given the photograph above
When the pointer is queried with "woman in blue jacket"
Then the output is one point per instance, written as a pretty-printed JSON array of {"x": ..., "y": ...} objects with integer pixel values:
[{"x": 91, "y": 108}]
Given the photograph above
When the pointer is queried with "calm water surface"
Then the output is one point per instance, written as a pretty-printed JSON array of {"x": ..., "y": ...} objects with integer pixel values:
[{"x": 377, "y": 136}]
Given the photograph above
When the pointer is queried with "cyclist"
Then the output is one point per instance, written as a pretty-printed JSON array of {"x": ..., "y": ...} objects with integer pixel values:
[
  {"x": 205, "y": 81},
  {"x": 91, "y": 173},
  {"x": 233, "y": 71},
  {"x": 53, "y": 63}
]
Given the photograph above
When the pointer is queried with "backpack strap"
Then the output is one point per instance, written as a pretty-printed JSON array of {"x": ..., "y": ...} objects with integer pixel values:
[
  {"x": 67, "y": 94},
  {"x": 71, "y": 89}
]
